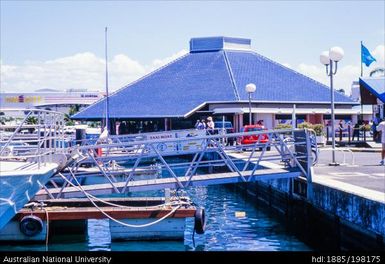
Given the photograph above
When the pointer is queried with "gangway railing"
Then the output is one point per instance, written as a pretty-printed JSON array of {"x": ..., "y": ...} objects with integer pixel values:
[
  {"x": 31, "y": 134},
  {"x": 344, "y": 151},
  {"x": 198, "y": 150}
]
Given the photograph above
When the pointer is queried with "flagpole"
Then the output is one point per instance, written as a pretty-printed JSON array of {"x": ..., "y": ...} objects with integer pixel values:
[
  {"x": 361, "y": 60},
  {"x": 107, "y": 95},
  {"x": 362, "y": 106}
]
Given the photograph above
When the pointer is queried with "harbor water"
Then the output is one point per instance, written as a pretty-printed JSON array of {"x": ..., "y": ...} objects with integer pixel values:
[{"x": 234, "y": 223}]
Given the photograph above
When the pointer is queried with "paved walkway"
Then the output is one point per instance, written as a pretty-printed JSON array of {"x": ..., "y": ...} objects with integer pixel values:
[{"x": 366, "y": 177}]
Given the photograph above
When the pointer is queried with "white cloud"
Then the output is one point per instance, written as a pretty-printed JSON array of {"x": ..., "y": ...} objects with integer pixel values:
[
  {"x": 379, "y": 54},
  {"x": 315, "y": 72},
  {"x": 342, "y": 80},
  {"x": 346, "y": 74},
  {"x": 82, "y": 70},
  {"x": 288, "y": 65},
  {"x": 160, "y": 62},
  {"x": 86, "y": 70}
]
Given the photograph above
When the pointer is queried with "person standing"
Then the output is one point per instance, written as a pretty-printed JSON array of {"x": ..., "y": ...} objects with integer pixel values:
[
  {"x": 356, "y": 132},
  {"x": 210, "y": 125},
  {"x": 341, "y": 128},
  {"x": 197, "y": 124},
  {"x": 381, "y": 128},
  {"x": 260, "y": 123},
  {"x": 201, "y": 125}
]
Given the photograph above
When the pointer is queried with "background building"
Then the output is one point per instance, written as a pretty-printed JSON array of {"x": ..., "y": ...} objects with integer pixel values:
[
  {"x": 210, "y": 81},
  {"x": 372, "y": 92},
  {"x": 50, "y": 99}
]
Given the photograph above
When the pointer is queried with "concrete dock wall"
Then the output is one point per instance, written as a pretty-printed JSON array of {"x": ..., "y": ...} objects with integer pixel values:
[
  {"x": 334, "y": 220},
  {"x": 366, "y": 213}
]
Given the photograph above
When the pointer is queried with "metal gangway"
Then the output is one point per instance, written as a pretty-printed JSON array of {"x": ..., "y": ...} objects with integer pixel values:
[
  {"x": 193, "y": 152},
  {"x": 33, "y": 135}
]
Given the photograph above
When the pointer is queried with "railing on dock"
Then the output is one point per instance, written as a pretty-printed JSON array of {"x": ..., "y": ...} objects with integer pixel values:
[
  {"x": 294, "y": 157},
  {"x": 31, "y": 134}
]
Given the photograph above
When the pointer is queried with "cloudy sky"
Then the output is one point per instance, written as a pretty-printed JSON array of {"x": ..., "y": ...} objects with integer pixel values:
[{"x": 60, "y": 44}]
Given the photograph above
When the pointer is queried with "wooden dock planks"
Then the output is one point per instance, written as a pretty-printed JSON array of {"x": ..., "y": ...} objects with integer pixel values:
[{"x": 82, "y": 213}]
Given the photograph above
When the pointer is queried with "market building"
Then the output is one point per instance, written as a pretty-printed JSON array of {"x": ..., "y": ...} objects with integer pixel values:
[{"x": 210, "y": 81}]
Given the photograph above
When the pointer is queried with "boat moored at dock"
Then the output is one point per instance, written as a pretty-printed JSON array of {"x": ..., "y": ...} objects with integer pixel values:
[
  {"x": 137, "y": 218},
  {"x": 24, "y": 173}
]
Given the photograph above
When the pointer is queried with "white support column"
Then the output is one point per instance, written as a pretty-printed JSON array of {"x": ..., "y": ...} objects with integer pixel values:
[
  {"x": 166, "y": 128},
  {"x": 240, "y": 118}
]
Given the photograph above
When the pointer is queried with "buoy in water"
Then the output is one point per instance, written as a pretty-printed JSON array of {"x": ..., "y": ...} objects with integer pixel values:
[
  {"x": 240, "y": 214},
  {"x": 200, "y": 221},
  {"x": 31, "y": 225}
]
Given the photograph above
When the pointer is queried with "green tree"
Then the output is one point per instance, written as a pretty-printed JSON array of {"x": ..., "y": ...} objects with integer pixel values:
[
  {"x": 31, "y": 120},
  {"x": 283, "y": 126},
  {"x": 318, "y": 128},
  {"x": 73, "y": 110},
  {"x": 2, "y": 118}
]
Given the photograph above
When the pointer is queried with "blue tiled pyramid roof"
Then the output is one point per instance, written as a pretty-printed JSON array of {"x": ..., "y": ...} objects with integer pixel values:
[{"x": 210, "y": 76}]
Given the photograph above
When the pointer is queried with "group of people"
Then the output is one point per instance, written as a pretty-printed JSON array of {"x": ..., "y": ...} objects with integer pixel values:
[
  {"x": 359, "y": 126},
  {"x": 208, "y": 125},
  {"x": 378, "y": 129},
  {"x": 134, "y": 127}
]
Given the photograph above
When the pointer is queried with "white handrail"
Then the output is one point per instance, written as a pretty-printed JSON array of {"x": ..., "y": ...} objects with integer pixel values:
[{"x": 343, "y": 150}]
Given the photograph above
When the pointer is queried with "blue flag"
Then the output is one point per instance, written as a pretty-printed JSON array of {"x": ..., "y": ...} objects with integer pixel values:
[{"x": 366, "y": 57}]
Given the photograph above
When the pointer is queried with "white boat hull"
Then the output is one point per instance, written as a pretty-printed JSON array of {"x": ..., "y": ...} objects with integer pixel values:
[{"x": 19, "y": 182}]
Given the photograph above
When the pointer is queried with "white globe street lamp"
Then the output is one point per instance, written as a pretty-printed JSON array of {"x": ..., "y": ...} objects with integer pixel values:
[
  {"x": 324, "y": 58},
  {"x": 327, "y": 58},
  {"x": 250, "y": 88},
  {"x": 336, "y": 54}
]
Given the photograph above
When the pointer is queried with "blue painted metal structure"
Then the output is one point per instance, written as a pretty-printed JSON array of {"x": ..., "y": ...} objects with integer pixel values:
[
  {"x": 216, "y": 70},
  {"x": 375, "y": 86}
]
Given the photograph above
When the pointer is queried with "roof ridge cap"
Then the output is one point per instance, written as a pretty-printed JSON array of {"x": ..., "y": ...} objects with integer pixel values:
[{"x": 231, "y": 75}]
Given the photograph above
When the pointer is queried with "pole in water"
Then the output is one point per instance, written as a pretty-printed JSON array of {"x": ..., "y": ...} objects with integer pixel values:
[{"x": 107, "y": 95}]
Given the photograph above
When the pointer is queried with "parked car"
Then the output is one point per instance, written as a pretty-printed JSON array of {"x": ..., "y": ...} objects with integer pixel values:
[
  {"x": 226, "y": 127},
  {"x": 247, "y": 140},
  {"x": 220, "y": 125}
]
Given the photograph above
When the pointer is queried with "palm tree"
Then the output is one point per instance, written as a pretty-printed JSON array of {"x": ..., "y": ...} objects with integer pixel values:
[
  {"x": 73, "y": 110},
  {"x": 377, "y": 72},
  {"x": 2, "y": 119},
  {"x": 31, "y": 120}
]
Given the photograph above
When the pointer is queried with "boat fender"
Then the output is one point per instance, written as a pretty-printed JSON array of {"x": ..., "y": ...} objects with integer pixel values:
[
  {"x": 200, "y": 220},
  {"x": 31, "y": 225}
]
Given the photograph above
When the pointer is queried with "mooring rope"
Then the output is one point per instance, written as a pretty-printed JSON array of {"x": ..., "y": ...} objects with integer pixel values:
[
  {"x": 178, "y": 202},
  {"x": 47, "y": 228},
  {"x": 120, "y": 222}
]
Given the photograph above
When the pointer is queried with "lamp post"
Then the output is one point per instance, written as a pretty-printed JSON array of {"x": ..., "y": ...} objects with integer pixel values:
[
  {"x": 330, "y": 59},
  {"x": 250, "y": 88}
]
